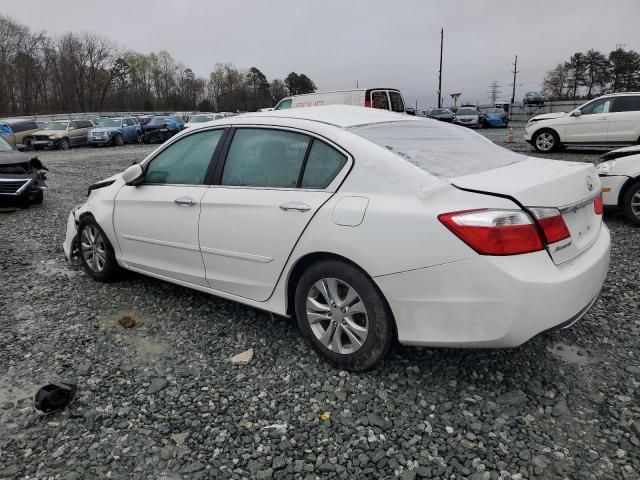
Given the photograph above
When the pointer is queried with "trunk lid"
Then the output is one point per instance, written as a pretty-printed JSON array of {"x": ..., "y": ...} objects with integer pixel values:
[{"x": 570, "y": 187}]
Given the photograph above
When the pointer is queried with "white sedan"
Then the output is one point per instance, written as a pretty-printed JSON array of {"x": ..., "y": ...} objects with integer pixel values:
[
  {"x": 619, "y": 172},
  {"x": 366, "y": 225}
]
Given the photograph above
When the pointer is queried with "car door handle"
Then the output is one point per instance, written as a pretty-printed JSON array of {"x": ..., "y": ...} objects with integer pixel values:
[
  {"x": 185, "y": 201},
  {"x": 602, "y": 118},
  {"x": 299, "y": 206}
]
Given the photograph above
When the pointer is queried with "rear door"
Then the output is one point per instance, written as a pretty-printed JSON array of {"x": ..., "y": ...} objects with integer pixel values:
[
  {"x": 379, "y": 99},
  {"x": 592, "y": 125},
  {"x": 267, "y": 190},
  {"x": 624, "y": 125}
]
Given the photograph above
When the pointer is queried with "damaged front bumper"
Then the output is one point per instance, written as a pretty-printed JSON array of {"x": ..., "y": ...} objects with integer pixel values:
[{"x": 70, "y": 245}]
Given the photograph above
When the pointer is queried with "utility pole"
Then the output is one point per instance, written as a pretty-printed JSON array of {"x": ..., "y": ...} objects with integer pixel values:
[
  {"x": 440, "y": 71},
  {"x": 515, "y": 72}
]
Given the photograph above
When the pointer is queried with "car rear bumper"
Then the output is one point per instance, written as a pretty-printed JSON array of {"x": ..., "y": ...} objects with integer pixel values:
[
  {"x": 611, "y": 186},
  {"x": 490, "y": 301}
]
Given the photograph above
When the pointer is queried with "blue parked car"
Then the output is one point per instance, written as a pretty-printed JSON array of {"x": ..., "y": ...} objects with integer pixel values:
[
  {"x": 115, "y": 131},
  {"x": 496, "y": 117},
  {"x": 162, "y": 127}
]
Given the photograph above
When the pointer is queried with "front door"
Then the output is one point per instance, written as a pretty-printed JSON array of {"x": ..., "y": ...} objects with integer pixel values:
[
  {"x": 591, "y": 126},
  {"x": 156, "y": 222},
  {"x": 272, "y": 183}
]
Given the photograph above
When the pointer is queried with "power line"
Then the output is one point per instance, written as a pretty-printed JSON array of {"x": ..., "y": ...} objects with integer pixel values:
[{"x": 494, "y": 90}]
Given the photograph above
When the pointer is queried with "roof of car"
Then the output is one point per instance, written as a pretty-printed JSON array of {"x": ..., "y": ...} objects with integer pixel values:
[{"x": 338, "y": 115}]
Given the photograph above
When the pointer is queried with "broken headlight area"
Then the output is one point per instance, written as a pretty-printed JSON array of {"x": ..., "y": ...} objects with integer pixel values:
[{"x": 33, "y": 166}]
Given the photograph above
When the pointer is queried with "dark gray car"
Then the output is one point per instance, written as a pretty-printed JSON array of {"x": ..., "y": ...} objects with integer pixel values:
[
  {"x": 22, "y": 176},
  {"x": 442, "y": 114}
]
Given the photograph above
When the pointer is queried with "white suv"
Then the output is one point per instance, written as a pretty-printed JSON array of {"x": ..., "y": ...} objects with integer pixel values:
[{"x": 610, "y": 120}]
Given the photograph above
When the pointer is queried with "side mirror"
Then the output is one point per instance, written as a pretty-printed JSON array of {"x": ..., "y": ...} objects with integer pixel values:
[
  {"x": 21, "y": 147},
  {"x": 576, "y": 113},
  {"x": 133, "y": 175}
]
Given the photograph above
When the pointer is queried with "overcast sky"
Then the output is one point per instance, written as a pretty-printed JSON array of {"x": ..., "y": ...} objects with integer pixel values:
[{"x": 377, "y": 43}]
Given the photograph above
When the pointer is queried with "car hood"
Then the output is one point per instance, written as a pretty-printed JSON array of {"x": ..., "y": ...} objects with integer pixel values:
[
  {"x": 8, "y": 158},
  {"x": 548, "y": 116},
  {"x": 49, "y": 132},
  {"x": 104, "y": 129},
  {"x": 621, "y": 152}
]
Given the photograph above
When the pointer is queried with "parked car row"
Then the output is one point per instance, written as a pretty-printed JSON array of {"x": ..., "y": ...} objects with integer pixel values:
[
  {"x": 115, "y": 131},
  {"x": 470, "y": 116}
]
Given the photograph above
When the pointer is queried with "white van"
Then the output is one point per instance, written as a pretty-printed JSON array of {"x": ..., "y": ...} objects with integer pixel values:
[{"x": 383, "y": 98}]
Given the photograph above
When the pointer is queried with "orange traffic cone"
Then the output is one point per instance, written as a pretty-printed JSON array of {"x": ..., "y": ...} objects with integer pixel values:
[{"x": 510, "y": 138}]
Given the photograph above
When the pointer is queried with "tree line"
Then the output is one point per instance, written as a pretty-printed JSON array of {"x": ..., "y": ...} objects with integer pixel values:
[
  {"x": 586, "y": 75},
  {"x": 85, "y": 72}
]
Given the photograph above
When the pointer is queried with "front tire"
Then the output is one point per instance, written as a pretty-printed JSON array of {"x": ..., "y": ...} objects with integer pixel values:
[
  {"x": 118, "y": 141},
  {"x": 343, "y": 315},
  {"x": 546, "y": 141},
  {"x": 631, "y": 203},
  {"x": 96, "y": 252},
  {"x": 64, "y": 144}
]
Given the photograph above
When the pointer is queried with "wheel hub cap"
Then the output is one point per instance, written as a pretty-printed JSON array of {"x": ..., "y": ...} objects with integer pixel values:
[
  {"x": 93, "y": 248},
  {"x": 337, "y": 315}
]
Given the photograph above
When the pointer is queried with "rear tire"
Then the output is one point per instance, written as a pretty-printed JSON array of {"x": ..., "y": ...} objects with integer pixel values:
[
  {"x": 95, "y": 251},
  {"x": 546, "y": 141},
  {"x": 631, "y": 203},
  {"x": 343, "y": 315}
]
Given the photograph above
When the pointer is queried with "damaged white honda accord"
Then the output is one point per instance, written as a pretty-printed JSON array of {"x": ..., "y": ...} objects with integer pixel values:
[{"x": 367, "y": 226}]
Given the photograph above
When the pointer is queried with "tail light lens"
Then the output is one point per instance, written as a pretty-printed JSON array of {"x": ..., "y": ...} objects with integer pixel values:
[
  {"x": 552, "y": 224},
  {"x": 494, "y": 232},
  {"x": 367, "y": 103},
  {"x": 598, "y": 206}
]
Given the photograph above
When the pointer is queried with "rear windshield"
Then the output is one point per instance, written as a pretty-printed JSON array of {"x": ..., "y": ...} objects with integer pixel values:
[{"x": 440, "y": 149}]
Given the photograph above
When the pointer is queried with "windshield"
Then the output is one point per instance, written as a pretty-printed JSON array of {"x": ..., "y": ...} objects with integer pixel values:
[
  {"x": 109, "y": 122},
  {"x": 496, "y": 110},
  {"x": 201, "y": 118},
  {"x": 159, "y": 120},
  {"x": 439, "y": 112},
  {"x": 4, "y": 146},
  {"x": 438, "y": 148},
  {"x": 55, "y": 126},
  {"x": 467, "y": 111}
]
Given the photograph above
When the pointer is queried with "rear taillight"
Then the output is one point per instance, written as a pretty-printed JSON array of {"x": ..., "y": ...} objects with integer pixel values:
[
  {"x": 367, "y": 103},
  {"x": 598, "y": 206},
  {"x": 552, "y": 224},
  {"x": 494, "y": 232}
]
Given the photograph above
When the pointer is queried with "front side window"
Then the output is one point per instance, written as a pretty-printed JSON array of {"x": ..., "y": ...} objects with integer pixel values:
[
  {"x": 284, "y": 104},
  {"x": 130, "y": 122},
  {"x": 596, "y": 107},
  {"x": 265, "y": 158},
  {"x": 323, "y": 164},
  {"x": 627, "y": 104},
  {"x": 380, "y": 100},
  {"x": 397, "y": 104},
  {"x": 186, "y": 161}
]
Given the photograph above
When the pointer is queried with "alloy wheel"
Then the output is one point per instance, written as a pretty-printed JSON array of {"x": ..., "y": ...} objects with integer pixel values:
[
  {"x": 93, "y": 248},
  {"x": 545, "y": 141},
  {"x": 635, "y": 204},
  {"x": 337, "y": 315}
]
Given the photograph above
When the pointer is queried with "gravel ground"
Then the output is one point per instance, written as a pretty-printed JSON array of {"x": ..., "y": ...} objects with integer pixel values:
[{"x": 162, "y": 400}]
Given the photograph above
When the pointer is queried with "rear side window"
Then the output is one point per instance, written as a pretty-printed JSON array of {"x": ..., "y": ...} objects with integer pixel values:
[
  {"x": 397, "y": 104},
  {"x": 186, "y": 161},
  {"x": 323, "y": 164},
  {"x": 626, "y": 104},
  {"x": 380, "y": 100},
  {"x": 441, "y": 149},
  {"x": 265, "y": 158}
]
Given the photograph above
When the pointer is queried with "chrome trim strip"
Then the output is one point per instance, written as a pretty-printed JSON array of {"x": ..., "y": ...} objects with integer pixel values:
[
  {"x": 239, "y": 255},
  {"x": 581, "y": 203},
  {"x": 576, "y": 318},
  {"x": 163, "y": 243}
]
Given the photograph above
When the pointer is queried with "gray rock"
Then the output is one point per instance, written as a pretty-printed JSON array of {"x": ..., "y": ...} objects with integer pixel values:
[
  {"x": 266, "y": 473},
  {"x": 156, "y": 385}
]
